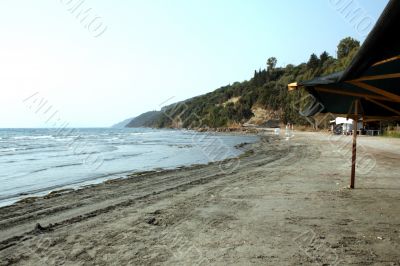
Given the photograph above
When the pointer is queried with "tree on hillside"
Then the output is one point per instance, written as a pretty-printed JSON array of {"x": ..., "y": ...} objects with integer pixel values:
[
  {"x": 313, "y": 62},
  {"x": 346, "y": 46},
  {"x": 271, "y": 63},
  {"x": 323, "y": 57},
  {"x": 266, "y": 89}
]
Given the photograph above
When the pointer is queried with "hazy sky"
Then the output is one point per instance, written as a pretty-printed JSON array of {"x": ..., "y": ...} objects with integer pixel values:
[{"x": 122, "y": 58}]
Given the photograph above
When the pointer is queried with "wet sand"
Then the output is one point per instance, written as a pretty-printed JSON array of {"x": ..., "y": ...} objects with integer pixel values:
[{"x": 286, "y": 203}]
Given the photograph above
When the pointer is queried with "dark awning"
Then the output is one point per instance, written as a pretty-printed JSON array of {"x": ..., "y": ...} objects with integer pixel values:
[
  {"x": 373, "y": 77},
  {"x": 381, "y": 44}
]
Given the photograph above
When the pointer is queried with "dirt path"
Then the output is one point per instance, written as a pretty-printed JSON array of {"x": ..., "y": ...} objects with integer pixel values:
[{"x": 286, "y": 204}]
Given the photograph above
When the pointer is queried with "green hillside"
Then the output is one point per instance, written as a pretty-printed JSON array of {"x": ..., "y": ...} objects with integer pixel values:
[
  {"x": 148, "y": 119},
  {"x": 234, "y": 104}
]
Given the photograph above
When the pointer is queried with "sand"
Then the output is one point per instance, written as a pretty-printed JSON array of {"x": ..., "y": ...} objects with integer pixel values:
[{"x": 286, "y": 203}]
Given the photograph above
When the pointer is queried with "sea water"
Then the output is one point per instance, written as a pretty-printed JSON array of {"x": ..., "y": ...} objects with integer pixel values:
[{"x": 37, "y": 161}]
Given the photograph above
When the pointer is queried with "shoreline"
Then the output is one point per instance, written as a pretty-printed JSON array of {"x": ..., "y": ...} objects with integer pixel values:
[
  {"x": 127, "y": 175},
  {"x": 32, "y": 195},
  {"x": 129, "y": 178},
  {"x": 282, "y": 193}
]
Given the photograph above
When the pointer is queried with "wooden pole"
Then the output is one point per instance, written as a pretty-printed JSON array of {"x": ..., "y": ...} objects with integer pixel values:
[{"x": 354, "y": 156}]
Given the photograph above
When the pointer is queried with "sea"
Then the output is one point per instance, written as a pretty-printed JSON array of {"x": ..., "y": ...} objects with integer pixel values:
[{"x": 34, "y": 162}]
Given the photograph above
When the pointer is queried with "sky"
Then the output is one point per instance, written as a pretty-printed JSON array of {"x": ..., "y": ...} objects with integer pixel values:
[{"x": 93, "y": 63}]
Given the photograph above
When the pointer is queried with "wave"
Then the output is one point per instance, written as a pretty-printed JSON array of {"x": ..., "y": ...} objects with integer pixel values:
[
  {"x": 27, "y": 150},
  {"x": 143, "y": 133},
  {"x": 66, "y": 165},
  {"x": 124, "y": 156},
  {"x": 7, "y": 150},
  {"x": 56, "y": 166},
  {"x": 64, "y": 139},
  {"x": 181, "y": 146},
  {"x": 13, "y": 197},
  {"x": 16, "y": 161},
  {"x": 39, "y": 170},
  {"x": 33, "y": 137},
  {"x": 74, "y": 154}
]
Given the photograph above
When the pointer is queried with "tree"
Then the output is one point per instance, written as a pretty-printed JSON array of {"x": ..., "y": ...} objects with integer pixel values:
[
  {"x": 323, "y": 57},
  {"x": 289, "y": 67},
  {"x": 313, "y": 62},
  {"x": 271, "y": 63},
  {"x": 346, "y": 46}
]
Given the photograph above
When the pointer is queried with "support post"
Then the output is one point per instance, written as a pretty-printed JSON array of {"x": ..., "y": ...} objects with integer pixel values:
[{"x": 354, "y": 153}]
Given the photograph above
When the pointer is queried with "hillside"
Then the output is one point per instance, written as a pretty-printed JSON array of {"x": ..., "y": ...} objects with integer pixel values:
[
  {"x": 264, "y": 97},
  {"x": 123, "y": 124},
  {"x": 148, "y": 119}
]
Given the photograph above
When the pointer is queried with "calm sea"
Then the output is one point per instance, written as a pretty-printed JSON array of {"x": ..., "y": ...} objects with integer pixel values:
[{"x": 37, "y": 161}]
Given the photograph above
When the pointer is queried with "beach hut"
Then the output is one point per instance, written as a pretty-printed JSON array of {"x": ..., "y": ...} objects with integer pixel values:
[{"x": 370, "y": 86}]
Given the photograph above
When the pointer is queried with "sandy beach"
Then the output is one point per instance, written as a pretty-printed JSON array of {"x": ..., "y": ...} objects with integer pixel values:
[{"x": 286, "y": 203}]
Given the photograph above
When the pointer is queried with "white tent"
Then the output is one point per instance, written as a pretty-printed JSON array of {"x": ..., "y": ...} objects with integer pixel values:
[
  {"x": 342, "y": 120},
  {"x": 347, "y": 124}
]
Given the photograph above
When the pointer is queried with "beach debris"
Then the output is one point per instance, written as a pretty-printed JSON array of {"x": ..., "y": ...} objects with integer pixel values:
[
  {"x": 27, "y": 200},
  {"x": 380, "y": 238},
  {"x": 151, "y": 221},
  {"x": 157, "y": 212},
  {"x": 57, "y": 193},
  {"x": 39, "y": 229},
  {"x": 241, "y": 145}
]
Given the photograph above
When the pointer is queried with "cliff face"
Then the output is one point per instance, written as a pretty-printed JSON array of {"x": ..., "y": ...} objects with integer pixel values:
[{"x": 263, "y": 115}]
